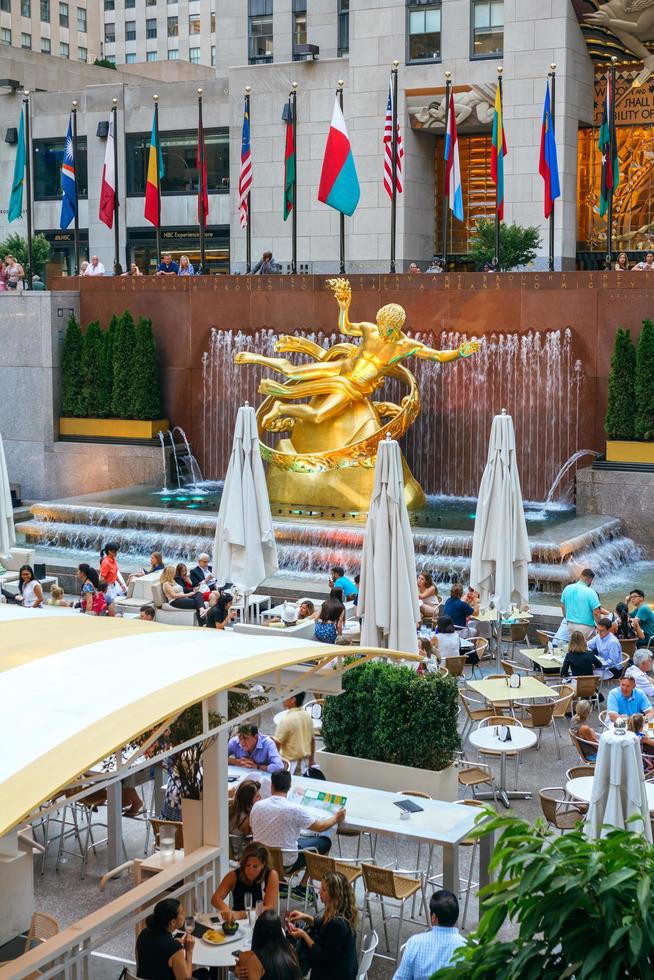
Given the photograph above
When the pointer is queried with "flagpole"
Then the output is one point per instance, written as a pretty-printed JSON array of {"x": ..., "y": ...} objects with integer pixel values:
[
  {"x": 155, "y": 99},
  {"x": 609, "y": 231},
  {"x": 201, "y": 214},
  {"x": 73, "y": 112},
  {"x": 114, "y": 115},
  {"x": 248, "y": 228},
  {"x": 552, "y": 76},
  {"x": 293, "y": 98},
  {"x": 497, "y": 188},
  {"x": 341, "y": 217},
  {"x": 394, "y": 69},
  {"x": 28, "y": 186},
  {"x": 446, "y": 194}
]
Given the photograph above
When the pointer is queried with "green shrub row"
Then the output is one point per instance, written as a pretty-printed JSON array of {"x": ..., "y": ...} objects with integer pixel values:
[
  {"x": 630, "y": 411},
  {"x": 110, "y": 373}
]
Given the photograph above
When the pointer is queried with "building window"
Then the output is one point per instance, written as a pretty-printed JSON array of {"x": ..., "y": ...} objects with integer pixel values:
[
  {"x": 130, "y": 4},
  {"x": 179, "y": 151},
  {"x": 45, "y": 45},
  {"x": 63, "y": 15},
  {"x": 424, "y": 30},
  {"x": 45, "y": 11},
  {"x": 109, "y": 4},
  {"x": 173, "y": 27},
  {"x": 82, "y": 54},
  {"x": 343, "y": 27},
  {"x": 26, "y": 8},
  {"x": 151, "y": 27},
  {"x": 213, "y": 55},
  {"x": 194, "y": 23},
  {"x": 130, "y": 58},
  {"x": 213, "y": 23},
  {"x": 299, "y": 25},
  {"x": 487, "y": 28},
  {"x": 260, "y": 31},
  {"x": 151, "y": 56},
  {"x": 173, "y": 54},
  {"x": 130, "y": 30},
  {"x": 194, "y": 56},
  {"x": 5, "y": 5},
  {"x": 26, "y": 41},
  {"x": 150, "y": 3},
  {"x": 64, "y": 49},
  {"x": 111, "y": 58},
  {"x": 81, "y": 19},
  {"x": 110, "y": 33},
  {"x": 5, "y": 35}
]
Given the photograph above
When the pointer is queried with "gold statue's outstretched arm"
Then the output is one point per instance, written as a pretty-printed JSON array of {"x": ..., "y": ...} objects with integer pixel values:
[
  {"x": 343, "y": 294},
  {"x": 444, "y": 356}
]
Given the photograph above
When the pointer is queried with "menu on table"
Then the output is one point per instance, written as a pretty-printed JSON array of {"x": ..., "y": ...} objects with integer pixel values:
[{"x": 318, "y": 800}]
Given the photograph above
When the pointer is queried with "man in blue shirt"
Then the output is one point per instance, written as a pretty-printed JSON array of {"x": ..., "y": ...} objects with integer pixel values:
[
  {"x": 339, "y": 580},
  {"x": 642, "y": 617},
  {"x": 628, "y": 700},
  {"x": 607, "y": 647},
  {"x": 581, "y": 605},
  {"x": 254, "y": 751},
  {"x": 455, "y": 607},
  {"x": 428, "y": 952},
  {"x": 167, "y": 267}
]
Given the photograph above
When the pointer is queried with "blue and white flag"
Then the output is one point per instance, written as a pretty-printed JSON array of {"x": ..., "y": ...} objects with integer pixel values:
[
  {"x": 452, "y": 167},
  {"x": 68, "y": 185}
]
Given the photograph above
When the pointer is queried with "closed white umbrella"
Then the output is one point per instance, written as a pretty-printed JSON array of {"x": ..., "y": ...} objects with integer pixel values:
[
  {"x": 619, "y": 790},
  {"x": 7, "y": 530},
  {"x": 245, "y": 552},
  {"x": 388, "y": 596},
  {"x": 500, "y": 546}
]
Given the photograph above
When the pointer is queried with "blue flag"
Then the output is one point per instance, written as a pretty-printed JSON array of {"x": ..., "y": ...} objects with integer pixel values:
[
  {"x": 68, "y": 185},
  {"x": 548, "y": 166}
]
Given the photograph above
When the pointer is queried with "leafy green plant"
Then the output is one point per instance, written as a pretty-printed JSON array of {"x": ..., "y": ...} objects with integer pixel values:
[
  {"x": 71, "y": 371},
  {"x": 518, "y": 245},
  {"x": 146, "y": 393},
  {"x": 582, "y": 908},
  {"x": 106, "y": 376},
  {"x": 122, "y": 392},
  {"x": 104, "y": 63},
  {"x": 619, "y": 422},
  {"x": 92, "y": 365},
  {"x": 16, "y": 245},
  {"x": 391, "y": 714},
  {"x": 186, "y": 766},
  {"x": 644, "y": 383}
]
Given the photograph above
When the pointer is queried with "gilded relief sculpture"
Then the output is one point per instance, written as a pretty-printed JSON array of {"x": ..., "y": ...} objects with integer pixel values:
[{"x": 329, "y": 454}]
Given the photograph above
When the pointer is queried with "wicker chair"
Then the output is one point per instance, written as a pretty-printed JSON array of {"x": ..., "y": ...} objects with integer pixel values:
[
  {"x": 286, "y": 876},
  {"x": 537, "y": 717},
  {"x": 472, "y": 774},
  {"x": 501, "y": 720},
  {"x": 390, "y": 886},
  {"x": 588, "y": 688},
  {"x": 455, "y": 665},
  {"x": 475, "y": 711},
  {"x": 628, "y": 647},
  {"x": 176, "y": 825},
  {"x": 42, "y": 927},
  {"x": 577, "y": 772},
  {"x": 559, "y": 811},
  {"x": 584, "y": 748}
]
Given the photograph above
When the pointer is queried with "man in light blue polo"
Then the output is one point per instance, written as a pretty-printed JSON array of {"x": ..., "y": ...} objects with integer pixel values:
[
  {"x": 430, "y": 951},
  {"x": 581, "y": 605},
  {"x": 628, "y": 700}
]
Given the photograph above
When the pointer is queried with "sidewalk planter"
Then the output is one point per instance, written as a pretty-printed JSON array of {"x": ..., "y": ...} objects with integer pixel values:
[
  {"x": 112, "y": 428},
  {"x": 387, "y": 776},
  {"x": 620, "y": 451}
]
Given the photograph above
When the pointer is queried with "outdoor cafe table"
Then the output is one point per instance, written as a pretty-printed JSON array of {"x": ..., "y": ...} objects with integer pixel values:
[
  {"x": 581, "y": 789},
  {"x": 487, "y": 740},
  {"x": 543, "y": 659},
  {"x": 206, "y": 954},
  {"x": 443, "y": 824},
  {"x": 498, "y": 690}
]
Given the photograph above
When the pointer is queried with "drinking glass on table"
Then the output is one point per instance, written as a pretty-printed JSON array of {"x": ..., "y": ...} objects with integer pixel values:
[
  {"x": 189, "y": 925},
  {"x": 247, "y": 898}
]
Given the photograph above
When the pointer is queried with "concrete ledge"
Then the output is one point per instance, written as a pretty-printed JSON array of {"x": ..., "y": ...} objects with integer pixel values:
[{"x": 628, "y": 493}]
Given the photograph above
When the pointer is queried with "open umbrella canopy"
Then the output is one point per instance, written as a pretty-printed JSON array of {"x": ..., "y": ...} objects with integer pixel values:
[
  {"x": 388, "y": 595},
  {"x": 500, "y": 546},
  {"x": 619, "y": 791},
  {"x": 7, "y": 532},
  {"x": 245, "y": 552}
]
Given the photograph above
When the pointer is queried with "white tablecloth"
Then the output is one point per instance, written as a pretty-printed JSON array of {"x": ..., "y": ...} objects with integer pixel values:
[{"x": 619, "y": 790}]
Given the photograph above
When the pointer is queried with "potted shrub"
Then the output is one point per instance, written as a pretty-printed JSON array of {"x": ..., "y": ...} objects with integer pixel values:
[
  {"x": 393, "y": 729},
  {"x": 629, "y": 420}
]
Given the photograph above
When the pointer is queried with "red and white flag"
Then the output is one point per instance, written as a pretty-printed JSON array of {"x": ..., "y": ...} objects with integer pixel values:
[
  {"x": 245, "y": 174},
  {"x": 388, "y": 149},
  {"x": 108, "y": 190}
]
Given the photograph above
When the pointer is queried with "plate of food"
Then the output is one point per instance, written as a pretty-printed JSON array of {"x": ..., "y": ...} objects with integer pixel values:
[{"x": 218, "y": 937}]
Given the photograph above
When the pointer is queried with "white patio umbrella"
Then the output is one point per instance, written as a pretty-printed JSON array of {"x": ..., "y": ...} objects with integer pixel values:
[
  {"x": 500, "y": 546},
  {"x": 245, "y": 552},
  {"x": 388, "y": 596},
  {"x": 7, "y": 530},
  {"x": 619, "y": 790}
]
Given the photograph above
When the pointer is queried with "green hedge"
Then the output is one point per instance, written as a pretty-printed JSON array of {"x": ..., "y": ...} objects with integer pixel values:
[
  {"x": 389, "y": 713},
  {"x": 110, "y": 373},
  {"x": 630, "y": 411}
]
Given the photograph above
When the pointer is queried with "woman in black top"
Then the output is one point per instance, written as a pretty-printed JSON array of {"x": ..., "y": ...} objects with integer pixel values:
[
  {"x": 272, "y": 956},
  {"x": 158, "y": 955},
  {"x": 330, "y": 940},
  {"x": 254, "y": 875},
  {"x": 182, "y": 578},
  {"x": 579, "y": 660},
  {"x": 625, "y": 629}
]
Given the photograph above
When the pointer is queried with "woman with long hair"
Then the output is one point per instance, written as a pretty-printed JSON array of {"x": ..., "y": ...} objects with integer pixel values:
[
  {"x": 329, "y": 942},
  {"x": 30, "y": 593},
  {"x": 329, "y": 625},
  {"x": 580, "y": 727},
  {"x": 90, "y": 580},
  {"x": 428, "y": 595},
  {"x": 110, "y": 572},
  {"x": 447, "y": 642},
  {"x": 271, "y": 956},
  {"x": 158, "y": 955},
  {"x": 255, "y": 877},
  {"x": 622, "y": 263},
  {"x": 185, "y": 267},
  {"x": 625, "y": 629},
  {"x": 174, "y": 594},
  {"x": 219, "y": 614},
  {"x": 240, "y": 807},
  {"x": 182, "y": 578},
  {"x": 579, "y": 660}
]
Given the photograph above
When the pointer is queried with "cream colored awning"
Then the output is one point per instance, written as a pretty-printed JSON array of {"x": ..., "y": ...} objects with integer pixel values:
[{"x": 75, "y": 688}]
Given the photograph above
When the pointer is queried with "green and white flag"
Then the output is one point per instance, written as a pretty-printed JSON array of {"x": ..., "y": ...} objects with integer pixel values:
[{"x": 16, "y": 200}]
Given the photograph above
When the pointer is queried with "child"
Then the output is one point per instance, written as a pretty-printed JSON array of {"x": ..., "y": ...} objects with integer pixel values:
[{"x": 56, "y": 597}]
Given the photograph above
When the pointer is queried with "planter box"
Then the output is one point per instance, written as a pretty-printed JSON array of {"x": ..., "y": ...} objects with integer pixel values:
[
  {"x": 387, "y": 776},
  {"x": 620, "y": 451},
  {"x": 112, "y": 428}
]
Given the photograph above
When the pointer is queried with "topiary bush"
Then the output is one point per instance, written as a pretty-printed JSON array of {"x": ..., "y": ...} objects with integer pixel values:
[
  {"x": 388, "y": 713},
  {"x": 146, "y": 394},
  {"x": 92, "y": 364},
  {"x": 71, "y": 371},
  {"x": 620, "y": 413},
  {"x": 122, "y": 393},
  {"x": 644, "y": 383}
]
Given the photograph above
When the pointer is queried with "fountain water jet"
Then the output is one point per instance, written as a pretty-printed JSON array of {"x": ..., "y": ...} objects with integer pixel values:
[{"x": 567, "y": 466}]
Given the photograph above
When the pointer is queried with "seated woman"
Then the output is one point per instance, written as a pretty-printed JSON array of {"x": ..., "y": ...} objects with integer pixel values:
[
  {"x": 579, "y": 726},
  {"x": 30, "y": 593},
  {"x": 625, "y": 630},
  {"x": 271, "y": 955},
  {"x": 174, "y": 594},
  {"x": 90, "y": 580},
  {"x": 240, "y": 807},
  {"x": 428, "y": 595},
  {"x": 158, "y": 955},
  {"x": 220, "y": 614},
  {"x": 447, "y": 642},
  {"x": 306, "y": 610},
  {"x": 156, "y": 562},
  {"x": 254, "y": 876},
  {"x": 182, "y": 578},
  {"x": 635, "y": 724},
  {"x": 579, "y": 660},
  {"x": 329, "y": 942},
  {"x": 432, "y": 659},
  {"x": 329, "y": 625},
  {"x": 57, "y": 597}
]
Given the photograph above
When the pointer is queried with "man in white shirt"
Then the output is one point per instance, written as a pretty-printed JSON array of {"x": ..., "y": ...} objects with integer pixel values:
[
  {"x": 640, "y": 672},
  {"x": 647, "y": 265},
  {"x": 607, "y": 647},
  {"x": 95, "y": 267},
  {"x": 276, "y": 822}
]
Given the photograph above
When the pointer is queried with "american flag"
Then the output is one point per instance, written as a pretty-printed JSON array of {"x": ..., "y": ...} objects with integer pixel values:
[
  {"x": 388, "y": 149},
  {"x": 245, "y": 176}
]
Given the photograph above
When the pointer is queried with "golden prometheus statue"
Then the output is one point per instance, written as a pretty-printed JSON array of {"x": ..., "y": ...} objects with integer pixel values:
[{"x": 329, "y": 456}]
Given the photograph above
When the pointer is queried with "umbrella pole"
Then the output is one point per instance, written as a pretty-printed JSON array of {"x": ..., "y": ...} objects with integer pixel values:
[{"x": 498, "y": 640}]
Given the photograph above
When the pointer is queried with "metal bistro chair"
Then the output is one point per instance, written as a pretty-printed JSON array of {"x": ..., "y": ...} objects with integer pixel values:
[
  {"x": 628, "y": 647},
  {"x": 559, "y": 811},
  {"x": 385, "y": 885},
  {"x": 318, "y": 865},
  {"x": 515, "y": 634},
  {"x": 588, "y": 688},
  {"x": 583, "y": 748},
  {"x": 475, "y": 711},
  {"x": 537, "y": 717},
  {"x": 472, "y": 774},
  {"x": 455, "y": 666},
  {"x": 42, "y": 927},
  {"x": 577, "y": 772},
  {"x": 285, "y": 876},
  {"x": 370, "y": 944}
]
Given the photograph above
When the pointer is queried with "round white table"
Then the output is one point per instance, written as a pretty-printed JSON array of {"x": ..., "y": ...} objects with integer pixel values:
[
  {"x": 581, "y": 788},
  {"x": 206, "y": 954},
  {"x": 487, "y": 740}
]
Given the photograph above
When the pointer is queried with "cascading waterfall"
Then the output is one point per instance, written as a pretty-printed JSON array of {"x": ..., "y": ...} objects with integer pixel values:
[
  {"x": 192, "y": 464},
  {"x": 563, "y": 472},
  {"x": 171, "y": 439},
  {"x": 535, "y": 376},
  {"x": 162, "y": 440}
]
